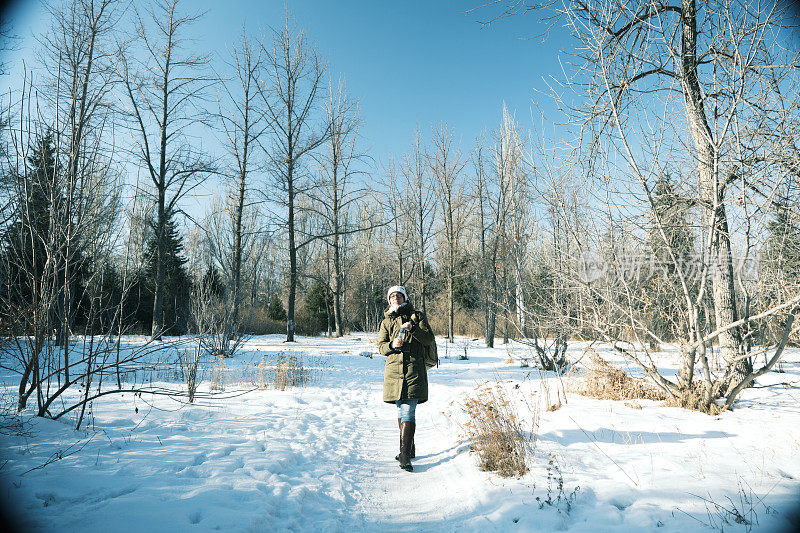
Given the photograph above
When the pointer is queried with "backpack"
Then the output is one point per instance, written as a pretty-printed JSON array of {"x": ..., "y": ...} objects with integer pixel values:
[{"x": 431, "y": 356}]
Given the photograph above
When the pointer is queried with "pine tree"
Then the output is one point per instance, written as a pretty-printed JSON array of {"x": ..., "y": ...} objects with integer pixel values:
[
  {"x": 212, "y": 282},
  {"x": 781, "y": 271},
  {"x": 177, "y": 283},
  {"x": 276, "y": 310},
  {"x": 317, "y": 305},
  {"x": 106, "y": 290},
  {"x": 783, "y": 245},
  {"x": 26, "y": 240},
  {"x": 665, "y": 290}
]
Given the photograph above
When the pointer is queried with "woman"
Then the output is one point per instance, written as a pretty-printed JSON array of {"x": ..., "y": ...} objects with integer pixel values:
[{"x": 403, "y": 336}]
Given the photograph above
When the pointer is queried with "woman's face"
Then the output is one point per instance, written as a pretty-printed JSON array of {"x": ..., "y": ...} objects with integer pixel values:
[{"x": 396, "y": 298}]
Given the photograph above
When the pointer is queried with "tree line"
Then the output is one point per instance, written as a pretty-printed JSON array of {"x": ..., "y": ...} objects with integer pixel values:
[{"x": 686, "y": 231}]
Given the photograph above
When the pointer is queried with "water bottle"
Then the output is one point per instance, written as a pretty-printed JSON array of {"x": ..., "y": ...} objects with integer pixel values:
[{"x": 402, "y": 335}]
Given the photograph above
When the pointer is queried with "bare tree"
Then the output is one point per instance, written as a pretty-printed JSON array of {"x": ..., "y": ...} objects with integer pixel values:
[
  {"x": 8, "y": 40},
  {"x": 498, "y": 190},
  {"x": 420, "y": 210},
  {"x": 487, "y": 268},
  {"x": 33, "y": 270},
  {"x": 76, "y": 56},
  {"x": 290, "y": 99},
  {"x": 244, "y": 122},
  {"x": 718, "y": 72},
  {"x": 336, "y": 194},
  {"x": 394, "y": 204},
  {"x": 63, "y": 197},
  {"x": 511, "y": 167},
  {"x": 447, "y": 163},
  {"x": 166, "y": 86},
  {"x": 369, "y": 282}
]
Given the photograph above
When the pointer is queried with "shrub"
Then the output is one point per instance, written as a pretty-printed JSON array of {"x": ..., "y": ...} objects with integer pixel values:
[
  {"x": 605, "y": 382},
  {"x": 693, "y": 398},
  {"x": 289, "y": 372},
  {"x": 259, "y": 322},
  {"x": 276, "y": 311},
  {"x": 218, "y": 374},
  {"x": 189, "y": 361},
  {"x": 495, "y": 431}
]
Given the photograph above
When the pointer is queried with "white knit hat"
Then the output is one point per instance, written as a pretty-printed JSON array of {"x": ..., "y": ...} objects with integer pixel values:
[{"x": 396, "y": 288}]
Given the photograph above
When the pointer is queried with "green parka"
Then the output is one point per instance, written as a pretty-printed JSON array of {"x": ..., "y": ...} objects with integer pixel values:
[{"x": 405, "y": 376}]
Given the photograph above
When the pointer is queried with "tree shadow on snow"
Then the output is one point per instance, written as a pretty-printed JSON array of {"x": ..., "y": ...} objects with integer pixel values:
[
  {"x": 422, "y": 462},
  {"x": 567, "y": 437}
]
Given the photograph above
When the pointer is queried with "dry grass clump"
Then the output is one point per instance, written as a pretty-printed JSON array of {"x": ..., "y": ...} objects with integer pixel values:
[
  {"x": 281, "y": 371},
  {"x": 693, "y": 399},
  {"x": 496, "y": 433},
  {"x": 218, "y": 374},
  {"x": 288, "y": 372},
  {"x": 605, "y": 382},
  {"x": 189, "y": 361}
]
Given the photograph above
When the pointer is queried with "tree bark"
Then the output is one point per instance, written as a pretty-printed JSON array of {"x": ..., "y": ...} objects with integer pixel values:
[{"x": 712, "y": 195}]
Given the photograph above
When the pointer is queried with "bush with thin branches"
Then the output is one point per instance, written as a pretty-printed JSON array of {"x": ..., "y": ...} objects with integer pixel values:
[{"x": 496, "y": 432}]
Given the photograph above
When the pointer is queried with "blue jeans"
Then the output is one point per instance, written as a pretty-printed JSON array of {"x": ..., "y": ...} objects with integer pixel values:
[{"x": 405, "y": 410}]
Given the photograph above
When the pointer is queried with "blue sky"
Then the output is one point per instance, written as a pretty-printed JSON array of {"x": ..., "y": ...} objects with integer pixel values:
[
  {"x": 412, "y": 62},
  {"x": 408, "y": 63}
]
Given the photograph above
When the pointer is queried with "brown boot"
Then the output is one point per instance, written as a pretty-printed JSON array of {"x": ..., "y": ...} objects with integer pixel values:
[
  {"x": 413, "y": 447},
  {"x": 406, "y": 438}
]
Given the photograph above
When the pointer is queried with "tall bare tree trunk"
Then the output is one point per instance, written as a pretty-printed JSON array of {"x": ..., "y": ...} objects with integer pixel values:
[
  {"x": 446, "y": 164},
  {"x": 337, "y": 283},
  {"x": 712, "y": 195},
  {"x": 163, "y": 99},
  {"x": 158, "y": 298},
  {"x": 289, "y": 102},
  {"x": 233, "y": 327},
  {"x": 292, "y": 255}
]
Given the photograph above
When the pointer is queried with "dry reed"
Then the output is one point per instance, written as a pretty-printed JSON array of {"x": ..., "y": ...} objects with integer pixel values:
[
  {"x": 605, "y": 382},
  {"x": 496, "y": 433}
]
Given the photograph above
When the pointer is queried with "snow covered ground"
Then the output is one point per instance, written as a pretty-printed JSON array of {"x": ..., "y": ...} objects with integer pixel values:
[{"x": 321, "y": 457}]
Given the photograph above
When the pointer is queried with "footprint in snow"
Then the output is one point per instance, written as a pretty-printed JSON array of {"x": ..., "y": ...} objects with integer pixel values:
[
  {"x": 224, "y": 452},
  {"x": 621, "y": 504},
  {"x": 195, "y": 517},
  {"x": 48, "y": 498}
]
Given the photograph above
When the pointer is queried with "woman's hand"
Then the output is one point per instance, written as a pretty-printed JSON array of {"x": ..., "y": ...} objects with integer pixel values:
[{"x": 397, "y": 343}]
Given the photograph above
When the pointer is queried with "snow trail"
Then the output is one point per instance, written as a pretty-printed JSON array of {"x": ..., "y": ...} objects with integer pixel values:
[{"x": 321, "y": 458}]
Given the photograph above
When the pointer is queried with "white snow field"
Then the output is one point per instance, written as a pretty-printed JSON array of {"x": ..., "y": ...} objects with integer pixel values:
[{"x": 321, "y": 457}]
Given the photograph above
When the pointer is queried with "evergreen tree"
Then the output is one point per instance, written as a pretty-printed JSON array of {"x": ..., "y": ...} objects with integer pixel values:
[
  {"x": 105, "y": 289},
  {"x": 138, "y": 307},
  {"x": 276, "y": 310},
  {"x": 781, "y": 271},
  {"x": 783, "y": 244},
  {"x": 177, "y": 283},
  {"x": 466, "y": 285},
  {"x": 317, "y": 306},
  {"x": 26, "y": 241},
  {"x": 212, "y": 282},
  {"x": 664, "y": 291}
]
